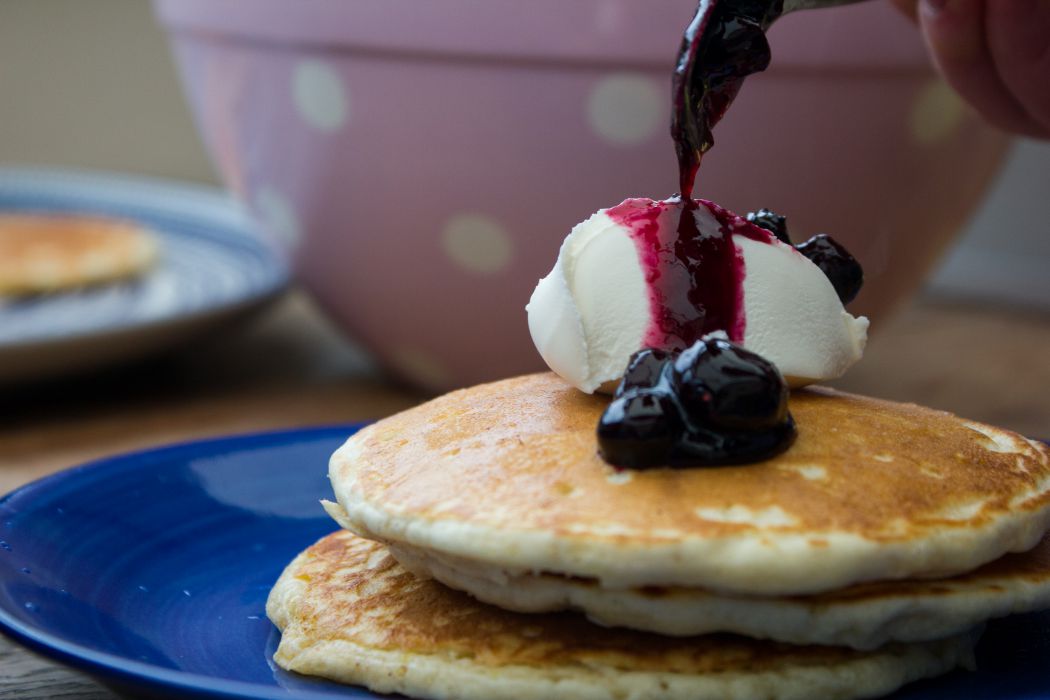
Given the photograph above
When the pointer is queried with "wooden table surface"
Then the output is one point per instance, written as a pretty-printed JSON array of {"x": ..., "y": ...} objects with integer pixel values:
[{"x": 288, "y": 368}]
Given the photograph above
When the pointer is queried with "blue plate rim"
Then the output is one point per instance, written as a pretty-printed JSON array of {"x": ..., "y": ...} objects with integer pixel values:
[{"x": 119, "y": 670}]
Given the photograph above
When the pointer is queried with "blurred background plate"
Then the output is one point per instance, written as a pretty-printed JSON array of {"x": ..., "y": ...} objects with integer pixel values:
[{"x": 212, "y": 269}]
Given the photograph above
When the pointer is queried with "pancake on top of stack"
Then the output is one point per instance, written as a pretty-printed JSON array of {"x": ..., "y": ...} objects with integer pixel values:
[
  {"x": 505, "y": 478},
  {"x": 885, "y": 530}
]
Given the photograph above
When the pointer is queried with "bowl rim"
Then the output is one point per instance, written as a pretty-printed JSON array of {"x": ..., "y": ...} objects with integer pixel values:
[{"x": 629, "y": 33}]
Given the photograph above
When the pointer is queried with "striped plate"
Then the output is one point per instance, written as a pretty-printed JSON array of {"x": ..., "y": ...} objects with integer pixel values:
[{"x": 212, "y": 267}]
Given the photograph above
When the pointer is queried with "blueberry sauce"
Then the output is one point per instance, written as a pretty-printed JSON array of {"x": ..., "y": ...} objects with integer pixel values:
[
  {"x": 693, "y": 271},
  {"x": 841, "y": 268},
  {"x": 772, "y": 222},
  {"x": 690, "y": 400},
  {"x": 714, "y": 403},
  {"x": 724, "y": 43},
  {"x": 834, "y": 260}
]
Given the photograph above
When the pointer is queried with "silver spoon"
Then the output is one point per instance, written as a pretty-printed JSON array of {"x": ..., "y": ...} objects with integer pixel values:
[{"x": 792, "y": 5}]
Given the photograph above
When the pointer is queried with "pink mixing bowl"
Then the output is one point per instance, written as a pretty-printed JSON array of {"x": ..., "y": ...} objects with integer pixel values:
[{"x": 422, "y": 161}]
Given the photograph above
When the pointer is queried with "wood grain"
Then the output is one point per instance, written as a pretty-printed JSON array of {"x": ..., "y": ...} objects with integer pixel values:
[
  {"x": 983, "y": 363},
  {"x": 291, "y": 369},
  {"x": 24, "y": 676}
]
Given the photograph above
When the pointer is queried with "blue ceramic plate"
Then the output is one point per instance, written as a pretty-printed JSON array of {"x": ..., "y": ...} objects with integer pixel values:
[
  {"x": 211, "y": 268},
  {"x": 151, "y": 572}
]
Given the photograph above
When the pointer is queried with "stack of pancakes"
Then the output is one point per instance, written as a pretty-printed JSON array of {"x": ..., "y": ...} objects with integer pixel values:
[{"x": 484, "y": 523}]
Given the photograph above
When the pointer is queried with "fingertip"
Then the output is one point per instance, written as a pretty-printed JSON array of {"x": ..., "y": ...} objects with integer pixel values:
[
  {"x": 1019, "y": 43},
  {"x": 955, "y": 33},
  {"x": 932, "y": 6},
  {"x": 909, "y": 8},
  {"x": 953, "y": 28}
]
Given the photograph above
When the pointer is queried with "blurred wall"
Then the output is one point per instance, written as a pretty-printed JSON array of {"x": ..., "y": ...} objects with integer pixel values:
[
  {"x": 1005, "y": 254},
  {"x": 90, "y": 83}
]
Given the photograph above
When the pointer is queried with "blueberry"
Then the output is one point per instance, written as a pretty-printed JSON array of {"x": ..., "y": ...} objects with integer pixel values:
[
  {"x": 721, "y": 385},
  {"x": 703, "y": 446},
  {"x": 640, "y": 429},
  {"x": 841, "y": 268},
  {"x": 771, "y": 221},
  {"x": 644, "y": 370},
  {"x": 713, "y": 403}
]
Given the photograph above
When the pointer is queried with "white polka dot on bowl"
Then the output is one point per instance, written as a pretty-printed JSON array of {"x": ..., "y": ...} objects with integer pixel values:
[
  {"x": 936, "y": 115},
  {"x": 477, "y": 243},
  {"x": 626, "y": 108},
  {"x": 320, "y": 96},
  {"x": 277, "y": 217}
]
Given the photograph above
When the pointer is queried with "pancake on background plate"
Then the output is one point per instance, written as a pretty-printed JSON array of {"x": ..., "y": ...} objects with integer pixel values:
[
  {"x": 349, "y": 612},
  {"x": 503, "y": 479},
  {"x": 46, "y": 253}
]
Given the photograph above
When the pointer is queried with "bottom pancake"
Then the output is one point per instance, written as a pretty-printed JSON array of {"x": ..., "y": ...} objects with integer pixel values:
[
  {"x": 349, "y": 612},
  {"x": 863, "y": 616}
]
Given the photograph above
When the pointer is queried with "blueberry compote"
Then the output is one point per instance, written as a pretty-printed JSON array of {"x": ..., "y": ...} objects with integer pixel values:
[
  {"x": 693, "y": 270},
  {"x": 713, "y": 403},
  {"x": 841, "y": 268},
  {"x": 835, "y": 261},
  {"x": 723, "y": 44},
  {"x": 698, "y": 401},
  {"x": 772, "y": 222}
]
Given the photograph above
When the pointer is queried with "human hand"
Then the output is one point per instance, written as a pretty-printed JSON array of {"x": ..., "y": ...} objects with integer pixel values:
[{"x": 995, "y": 54}]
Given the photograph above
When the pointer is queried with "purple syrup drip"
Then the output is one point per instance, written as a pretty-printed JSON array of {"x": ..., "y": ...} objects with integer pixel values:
[
  {"x": 689, "y": 140},
  {"x": 693, "y": 271},
  {"x": 724, "y": 43}
]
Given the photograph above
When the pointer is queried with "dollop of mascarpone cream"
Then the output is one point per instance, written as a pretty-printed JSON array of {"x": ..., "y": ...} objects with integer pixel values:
[{"x": 591, "y": 313}]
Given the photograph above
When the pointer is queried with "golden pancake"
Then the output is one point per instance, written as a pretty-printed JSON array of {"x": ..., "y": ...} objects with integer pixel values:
[
  {"x": 507, "y": 475},
  {"x": 863, "y": 616},
  {"x": 44, "y": 253},
  {"x": 350, "y": 613}
]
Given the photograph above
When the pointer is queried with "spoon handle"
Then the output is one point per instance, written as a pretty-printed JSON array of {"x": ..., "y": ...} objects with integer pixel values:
[{"x": 792, "y": 5}]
